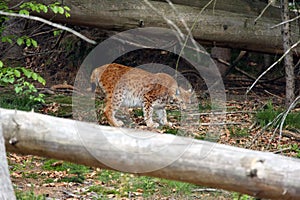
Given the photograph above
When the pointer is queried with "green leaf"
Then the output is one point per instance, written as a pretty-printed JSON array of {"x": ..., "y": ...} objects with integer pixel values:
[
  {"x": 61, "y": 10},
  {"x": 55, "y": 9},
  {"x": 67, "y": 15},
  {"x": 17, "y": 73},
  {"x": 67, "y": 8},
  {"x": 1, "y": 64},
  {"x": 27, "y": 73},
  {"x": 6, "y": 39},
  {"x": 8, "y": 80},
  {"x": 56, "y": 32},
  {"x": 41, "y": 80},
  {"x": 24, "y": 12},
  {"x": 34, "y": 76},
  {"x": 34, "y": 43},
  {"x": 28, "y": 42},
  {"x": 18, "y": 89},
  {"x": 20, "y": 41},
  {"x": 44, "y": 8}
]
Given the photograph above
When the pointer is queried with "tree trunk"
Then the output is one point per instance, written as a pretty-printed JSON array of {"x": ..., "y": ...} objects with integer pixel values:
[
  {"x": 6, "y": 189},
  {"x": 151, "y": 154},
  {"x": 226, "y": 23},
  {"x": 288, "y": 60}
]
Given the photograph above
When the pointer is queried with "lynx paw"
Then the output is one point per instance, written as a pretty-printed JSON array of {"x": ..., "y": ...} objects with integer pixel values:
[
  {"x": 169, "y": 124},
  {"x": 118, "y": 123},
  {"x": 153, "y": 125}
]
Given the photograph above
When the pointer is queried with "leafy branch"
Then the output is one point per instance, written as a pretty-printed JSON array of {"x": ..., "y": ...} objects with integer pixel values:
[{"x": 20, "y": 77}]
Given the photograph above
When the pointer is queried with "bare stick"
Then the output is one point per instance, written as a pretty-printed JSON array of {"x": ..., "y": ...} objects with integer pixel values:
[
  {"x": 279, "y": 60},
  {"x": 170, "y": 22},
  {"x": 287, "y": 21},
  {"x": 293, "y": 104},
  {"x": 263, "y": 11},
  {"x": 49, "y": 23}
]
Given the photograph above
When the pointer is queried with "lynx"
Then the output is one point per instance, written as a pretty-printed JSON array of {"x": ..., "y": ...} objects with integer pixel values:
[{"x": 134, "y": 87}]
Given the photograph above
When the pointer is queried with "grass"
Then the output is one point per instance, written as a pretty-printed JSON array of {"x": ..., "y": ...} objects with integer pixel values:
[
  {"x": 123, "y": 184},
  {"x": 75, "y": 172},
  {"x": 28, "y": 195},
  {"x": 270, "y": 112},
  {"x": 10, "y": 100}
]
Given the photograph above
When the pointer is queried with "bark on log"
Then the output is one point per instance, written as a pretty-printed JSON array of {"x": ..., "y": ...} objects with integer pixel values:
[
  {"x": 259, "y": 174},
  {"x": 6, "y": 189},
  {"x": 227, "y": 23}
]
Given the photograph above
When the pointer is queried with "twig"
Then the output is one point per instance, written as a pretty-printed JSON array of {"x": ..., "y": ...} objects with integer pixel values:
[
  {"x": 245, "y": 73},
  {"x": 207, "y": 190},
  {"x": 70, "y": 194},
  {"x": 185, "y": 26},
  {"x": 170, "y": 22},
  {"x": 273, "y": 94},
  {"x": 287, "y": 21},
  {"x": 221, "y": 123},
  {"x": 263, "y": 129},
  {"x": 273, "y": 136},
  {"x": 293, "y": 104},
  {"x": 279, "y": 60},
  {"x": 282, "y": 150},
  {"x": 190, "y": 33},
  {"x": 17, "y": 5},
  {"x": 222, "y": 113},
  {"x": 263, "y": 11},
  {"x": 291, "y": 134},
  {"x": 49, "y": 23}
]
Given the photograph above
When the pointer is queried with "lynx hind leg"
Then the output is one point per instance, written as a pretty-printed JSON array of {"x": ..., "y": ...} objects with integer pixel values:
[
  {"x": 162, "y": 116},
  {"x": 148, "y": 113},
  {"x": 110, "y": 111}
]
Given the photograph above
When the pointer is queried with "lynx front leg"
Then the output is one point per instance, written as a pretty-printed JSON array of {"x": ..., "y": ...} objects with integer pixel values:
[
  {"x": 148, "y": 112},
  {"x": 162, "y": 116}
]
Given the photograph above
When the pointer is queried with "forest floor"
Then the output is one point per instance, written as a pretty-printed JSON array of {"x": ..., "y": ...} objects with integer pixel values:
[{"x": 40, "y": 178}]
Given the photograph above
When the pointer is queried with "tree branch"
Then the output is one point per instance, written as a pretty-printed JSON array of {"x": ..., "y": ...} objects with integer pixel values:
[
  {"x": 49, "y": 23},
  {"x": 275, "y": 63}
]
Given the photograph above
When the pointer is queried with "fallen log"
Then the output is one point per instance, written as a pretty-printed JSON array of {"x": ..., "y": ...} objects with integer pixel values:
[
  {"x": 224, "y": 23},
  {"x": 6, "y": 189},
  {"x": 259, "y": 174}
]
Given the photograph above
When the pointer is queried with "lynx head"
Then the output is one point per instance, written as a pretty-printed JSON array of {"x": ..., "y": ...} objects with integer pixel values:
[{"x": 183, "y": 97}]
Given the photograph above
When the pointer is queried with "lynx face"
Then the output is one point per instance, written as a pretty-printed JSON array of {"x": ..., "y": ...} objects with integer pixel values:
[{"x": 134, "y": 87}]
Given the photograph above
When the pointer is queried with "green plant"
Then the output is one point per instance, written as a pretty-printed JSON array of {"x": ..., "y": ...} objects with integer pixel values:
[
  {"x": 270, "y": 114},
  {"x": 32, "y": 6},
  {"x": 238, "y": 196},
  {"x": 267, "y": 114},
  {"x": 75, "y": 171},
  {"x": 72, "y": 168},
  {"x": 28, "y": 196},
  {"x": 238, "y": 132},
  {"x": 20, "y": 77},
  {"x": 296, "y": 149}
]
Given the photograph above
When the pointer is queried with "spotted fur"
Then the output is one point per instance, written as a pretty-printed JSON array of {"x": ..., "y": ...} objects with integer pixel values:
[{"x": 134, "y": 87}]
